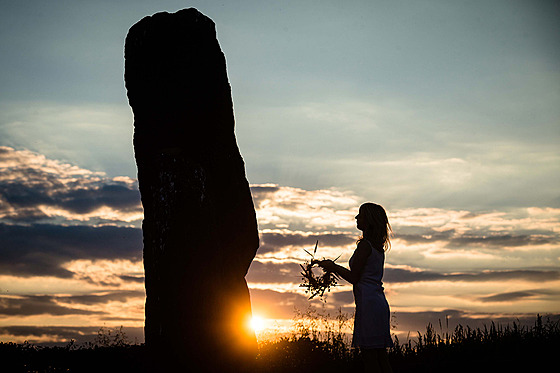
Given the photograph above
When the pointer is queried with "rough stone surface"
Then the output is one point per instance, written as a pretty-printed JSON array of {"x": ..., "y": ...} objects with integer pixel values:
[{"x": 200, "y": 230}]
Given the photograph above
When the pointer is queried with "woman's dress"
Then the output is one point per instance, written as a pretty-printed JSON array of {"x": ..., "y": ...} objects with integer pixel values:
[{"x": 371, "y": 323}]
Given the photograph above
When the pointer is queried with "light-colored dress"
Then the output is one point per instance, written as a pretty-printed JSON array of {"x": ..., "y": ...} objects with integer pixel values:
[{"x": 371, "y": 323}]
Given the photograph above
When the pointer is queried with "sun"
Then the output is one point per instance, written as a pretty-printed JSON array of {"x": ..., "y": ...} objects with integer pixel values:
[{"x": 257, "y": 323}]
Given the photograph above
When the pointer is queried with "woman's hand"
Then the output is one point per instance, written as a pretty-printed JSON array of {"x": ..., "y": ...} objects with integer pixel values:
[
  {"x": 327, "y": 264},
  {"x": 330, "y": 266}
]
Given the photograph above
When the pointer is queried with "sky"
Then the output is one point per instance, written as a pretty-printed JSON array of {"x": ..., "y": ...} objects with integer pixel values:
[{"x": 447, "y": 113}]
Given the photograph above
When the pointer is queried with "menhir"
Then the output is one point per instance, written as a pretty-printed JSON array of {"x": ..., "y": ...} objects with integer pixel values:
[{"x": 200, "y": 229}]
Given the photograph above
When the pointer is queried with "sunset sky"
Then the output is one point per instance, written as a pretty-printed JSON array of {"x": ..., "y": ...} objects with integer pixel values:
[{"x": 445, "y": 112}]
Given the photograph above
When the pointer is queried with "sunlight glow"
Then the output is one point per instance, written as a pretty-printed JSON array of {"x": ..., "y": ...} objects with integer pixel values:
[{"x": 257, "y": 323}]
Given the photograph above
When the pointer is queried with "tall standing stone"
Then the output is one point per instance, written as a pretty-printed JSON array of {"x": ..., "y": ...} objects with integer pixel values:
[{"x": 200, "y": 230}]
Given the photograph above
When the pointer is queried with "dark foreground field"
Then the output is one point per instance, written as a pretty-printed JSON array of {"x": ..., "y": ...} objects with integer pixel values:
[{"x": 493, "y": 348}]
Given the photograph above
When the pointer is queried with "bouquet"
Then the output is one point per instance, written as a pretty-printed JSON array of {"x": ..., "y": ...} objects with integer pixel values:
[{"x": 313, "y": 284}]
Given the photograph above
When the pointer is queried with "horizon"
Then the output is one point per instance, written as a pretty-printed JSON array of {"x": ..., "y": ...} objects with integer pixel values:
[{"x": 445, "y": 114}]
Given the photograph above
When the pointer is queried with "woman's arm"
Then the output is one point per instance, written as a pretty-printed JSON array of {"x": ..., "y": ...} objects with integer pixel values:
[{"x": 361, "y": 254}]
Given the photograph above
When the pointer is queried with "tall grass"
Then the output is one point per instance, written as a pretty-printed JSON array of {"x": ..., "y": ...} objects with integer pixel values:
[
  {"x": 320, "y": 342},
  {"x": 512, "y": 347},
  {"x": 110, "y": 351}
]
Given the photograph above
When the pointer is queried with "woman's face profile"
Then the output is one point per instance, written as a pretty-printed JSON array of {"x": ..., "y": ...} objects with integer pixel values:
[{"x": 360, "y": 221}]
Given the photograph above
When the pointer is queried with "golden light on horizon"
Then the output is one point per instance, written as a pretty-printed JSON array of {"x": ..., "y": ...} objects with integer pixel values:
[{"x": 257, "y": 323}]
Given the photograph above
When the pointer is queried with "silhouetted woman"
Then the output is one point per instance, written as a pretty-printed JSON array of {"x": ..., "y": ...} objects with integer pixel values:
[{"x": 371, "y": 324}]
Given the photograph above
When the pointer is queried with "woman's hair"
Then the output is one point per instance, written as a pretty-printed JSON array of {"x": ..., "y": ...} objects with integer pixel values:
[{"x": 377, "y": 229}]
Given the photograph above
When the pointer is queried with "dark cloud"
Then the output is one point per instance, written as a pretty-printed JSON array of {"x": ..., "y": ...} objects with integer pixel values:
[
  {"x": 80, "y": 334},
  {"x": 61, "y": 305},
  {"x": 22, "y": 201},
  {"x": 453, "y": 239},
  {"x": 279, "y": 305},
  {"x": 41, "y": 249},
  {"x": 503, "y": 240},
  {"x": 507, "y": 297},
  {"x": 119, "y": 196},
  {"x": 270, "y": 272},
  {"x": 38, "y": 305},
  {"x": 63, "y": 332},
  {"x": 137, "y": 279},
  {"x": 91, "y": 299},
  {"x": 117, "y": 318},
  {"x": 447, "y": 320},
  {"x": 519, "y": 295},
  {"x": 290, "y": 272},
  {"x": 343, "y": 297},
  {"x": 405, "y": 275},
  {"x": 276, "y": 241},
  {"x": 30, "y": 180},
  {"x": 263, "y": 190}
]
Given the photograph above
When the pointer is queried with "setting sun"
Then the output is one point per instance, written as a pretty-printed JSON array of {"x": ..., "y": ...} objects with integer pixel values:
[{"x": 257, "y": 323}]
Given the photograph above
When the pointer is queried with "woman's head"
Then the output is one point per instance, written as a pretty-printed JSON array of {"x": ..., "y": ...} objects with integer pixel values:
[{"x": 372, "y": 220}]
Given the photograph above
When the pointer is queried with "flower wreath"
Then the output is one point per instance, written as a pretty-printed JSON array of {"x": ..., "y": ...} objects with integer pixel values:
[{"x": 313, "y": 284}]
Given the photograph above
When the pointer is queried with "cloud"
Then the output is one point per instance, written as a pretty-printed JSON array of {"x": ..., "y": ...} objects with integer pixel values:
[
  {"x": 96, "y": 136},
  {"x": 343, "y": 297},
  {"x": 279, "y": 305},
  {"x": 57, "y": 333},
  {"x": 507, "y": 297},
  {"x": 289, "y": 272},
  {"x": 283, "y": 305},
  {"x": 67, "y": 222},
  {"x": 400, "y": 275},
  {"x": 93, "y": 299},
  {"x": 531, "y": 220},
  {"x": 391, "y": 154},
  {"x": 281, "y": 207},
  {"x": 63, "y": 305},
  {"x": 503, "y": 240},
  {"x": 276, "y": 240},
  {"x": 45, "y": 334},
  {"x": 42, "y": 249},
  {"x": 270, "y": 272},
  {"x": 261, "y": 192},
  {"x": 136, "y": 279},
  {"x": 38, "y": 305},
  {"x": 34, "y": 188},
  {"x": 514, "y": 296},
  {"x": 448, "y": 319},
  {"x": 424, "y": 235},
  {"x": 459, "y": 240}
]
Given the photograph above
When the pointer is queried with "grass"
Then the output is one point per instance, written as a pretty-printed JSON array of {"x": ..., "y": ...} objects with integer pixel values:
[
  {"x": 320, "y": 343},
  {"x": 492, "y": 348}
]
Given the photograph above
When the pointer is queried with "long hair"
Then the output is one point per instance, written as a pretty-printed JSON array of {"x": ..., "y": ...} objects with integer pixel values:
[{"x": 377, "y": 230}]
